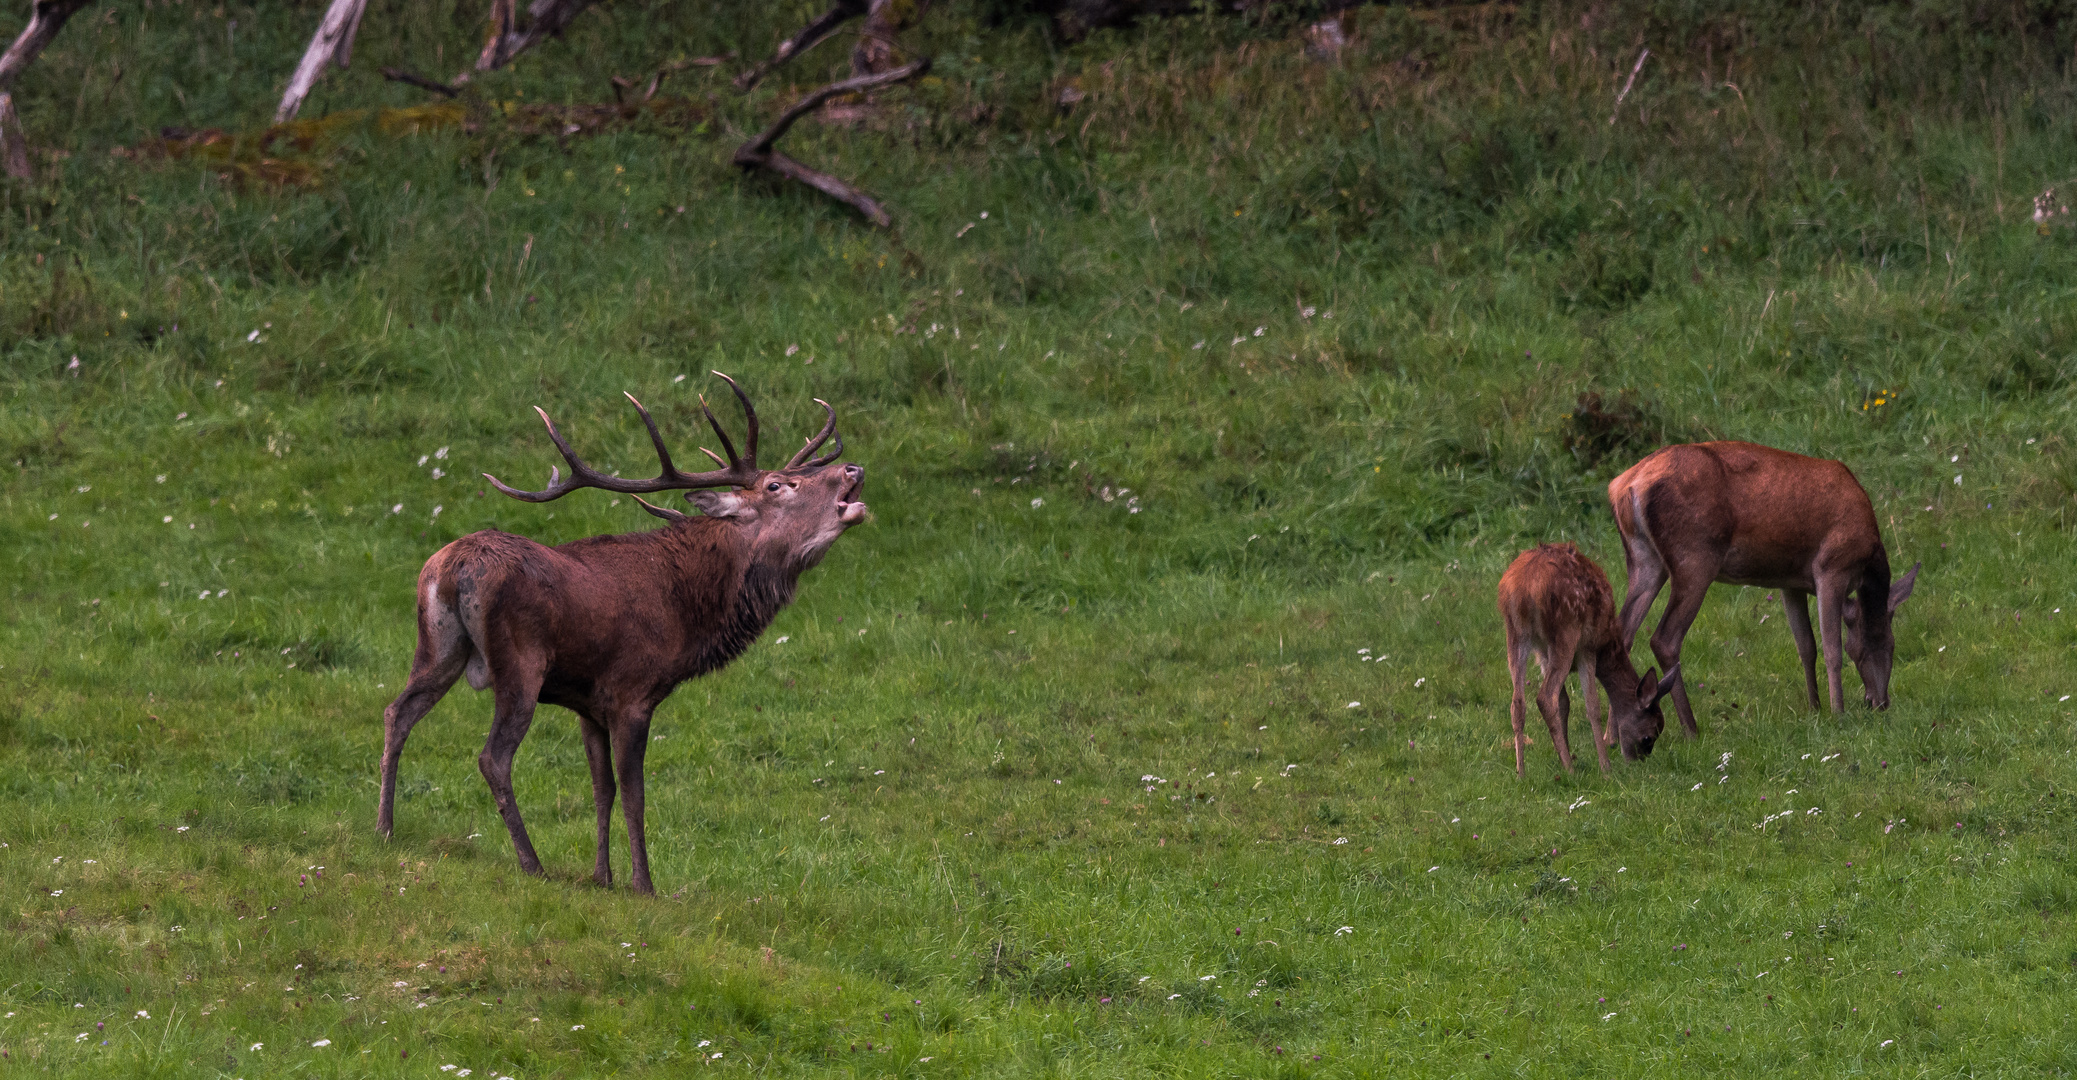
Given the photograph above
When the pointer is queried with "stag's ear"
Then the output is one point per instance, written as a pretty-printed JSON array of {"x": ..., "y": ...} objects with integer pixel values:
[
  {"x": 724, "y": 504},
  {"x": 1651, "y": 688},
  {"x": 1901, "y": 590}
]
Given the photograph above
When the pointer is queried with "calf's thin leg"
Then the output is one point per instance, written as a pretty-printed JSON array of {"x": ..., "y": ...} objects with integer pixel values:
[
  {"x": 515, "y": 714},
  {"x": 1517, "y": 706},
  {"x": 1588, "y": 702},
  {"x": 1552, "y": 700},
  {"x": 630, "y": 742},
  {"x": 1795, "y": 603},
  {"x": 598, "y": 753}
]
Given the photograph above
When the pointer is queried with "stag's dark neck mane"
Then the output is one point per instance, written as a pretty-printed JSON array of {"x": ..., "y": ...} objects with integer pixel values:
[{"x": 761, "y": 590}]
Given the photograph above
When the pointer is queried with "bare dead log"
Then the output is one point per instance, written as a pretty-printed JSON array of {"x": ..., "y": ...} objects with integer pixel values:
[
  {"x": 545, "y": 19},
  {"x": 808, "y": 37},
  {"x": 46, "y": 18},
  {"x": 413, "y": 78},
  {"x": 758, "y": 152},
  {"x": 333, "y": 43}
]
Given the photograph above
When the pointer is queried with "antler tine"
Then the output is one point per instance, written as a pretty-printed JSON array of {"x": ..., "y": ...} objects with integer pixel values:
[
  {"x": 829, "y": 428},
  {"x": 663, "y": 453},
  {"x": 749, "y": 422},
  {"x": 663, "y": 512},
  {"x": 557, "y": 486},
  {"x": 733, "y": 473},
  {"x": 732, "y": 462},
  {"x": 836, "y": 451}
]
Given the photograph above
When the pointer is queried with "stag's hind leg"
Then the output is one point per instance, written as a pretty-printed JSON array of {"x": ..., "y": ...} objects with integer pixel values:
[
  {"x": 443, "y": 651},
  {"x": 598, "y": 753},
  {"x": 517, "y": 694}
]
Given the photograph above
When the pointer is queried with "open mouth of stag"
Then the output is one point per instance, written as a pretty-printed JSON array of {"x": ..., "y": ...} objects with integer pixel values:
[{"x": 849, "y": 510}]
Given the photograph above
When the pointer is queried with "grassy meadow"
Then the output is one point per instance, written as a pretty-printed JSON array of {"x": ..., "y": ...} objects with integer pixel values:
[{"x": 1157, "y": 722}]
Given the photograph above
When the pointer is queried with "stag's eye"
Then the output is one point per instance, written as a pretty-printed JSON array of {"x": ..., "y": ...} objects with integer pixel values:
[{"x": 773, "y": 486}]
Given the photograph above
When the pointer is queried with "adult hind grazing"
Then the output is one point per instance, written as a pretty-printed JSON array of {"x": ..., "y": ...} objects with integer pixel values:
[
  {"x": 1745, "y": 514},
  {"x": 1557, "y": 604}
]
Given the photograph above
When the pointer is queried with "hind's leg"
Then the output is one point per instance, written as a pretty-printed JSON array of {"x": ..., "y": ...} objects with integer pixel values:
[{"x": 443, "y": 650}]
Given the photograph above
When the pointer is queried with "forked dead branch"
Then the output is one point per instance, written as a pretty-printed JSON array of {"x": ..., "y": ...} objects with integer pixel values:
[
  {"x": 609, "y": 626},
  {"x": 758, "y": 152}
]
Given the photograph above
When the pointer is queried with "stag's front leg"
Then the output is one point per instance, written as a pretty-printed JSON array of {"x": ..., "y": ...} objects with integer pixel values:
[
  {"x": 598, "y": 754},
  {"x": 515, "y": 705},
  {"x": 630, "y": 742}
]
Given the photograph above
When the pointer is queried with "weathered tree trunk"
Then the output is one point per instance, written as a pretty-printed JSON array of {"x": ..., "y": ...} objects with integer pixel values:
[
  {"x": 46, "y": 18},
  {"x": 333, "y": 43}
]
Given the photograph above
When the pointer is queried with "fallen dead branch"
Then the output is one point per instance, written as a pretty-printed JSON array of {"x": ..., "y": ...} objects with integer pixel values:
[
  {"x": 622, "y": 85},
  {"x": 807, "y": 38},
  {"x": 413, "y": 78},
  {"x": 758, "y": 152}
]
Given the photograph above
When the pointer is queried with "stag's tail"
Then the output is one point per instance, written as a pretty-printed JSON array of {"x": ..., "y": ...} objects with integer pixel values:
[{"x": 450, "y": 611}]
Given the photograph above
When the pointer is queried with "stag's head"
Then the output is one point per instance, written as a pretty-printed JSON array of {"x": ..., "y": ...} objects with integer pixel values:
[
  {"x": 790, "y": 514},
  {"x": 1635, "y": 717},
  {"x": 1871, "y": 639}
]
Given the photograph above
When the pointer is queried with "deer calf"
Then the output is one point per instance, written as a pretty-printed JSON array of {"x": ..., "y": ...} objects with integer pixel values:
[
  {"x": 1746, "y": 514},
  {"x": 1557, "y": 604},
  {"x": 608, "y": 627}
]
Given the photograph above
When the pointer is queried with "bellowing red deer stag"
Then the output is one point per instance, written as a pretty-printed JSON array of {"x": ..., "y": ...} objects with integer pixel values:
[
  {"x": 607, "y": 627},
  {"x": 1745, "y": 514},
  {"x": 1557, "y": 604}
]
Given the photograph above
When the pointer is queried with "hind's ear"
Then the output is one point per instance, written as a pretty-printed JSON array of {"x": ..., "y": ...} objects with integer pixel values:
[
  {"x": 724, "y": 504},
  {"x": 1900, "y": 590}
]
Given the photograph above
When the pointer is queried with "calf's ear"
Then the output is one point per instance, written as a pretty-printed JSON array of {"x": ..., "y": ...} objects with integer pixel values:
[
  {"x": 1651, "y": 688},
  {"x": 724, "y": 504},
  {"x": 1900, "y": 590}
]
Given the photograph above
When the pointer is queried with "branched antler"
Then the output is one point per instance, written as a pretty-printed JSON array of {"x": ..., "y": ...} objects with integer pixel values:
[{"x": 735, "y": 471}]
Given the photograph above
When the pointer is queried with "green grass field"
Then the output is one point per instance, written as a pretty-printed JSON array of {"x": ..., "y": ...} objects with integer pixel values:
[{"x": 1042, "y": 775}]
